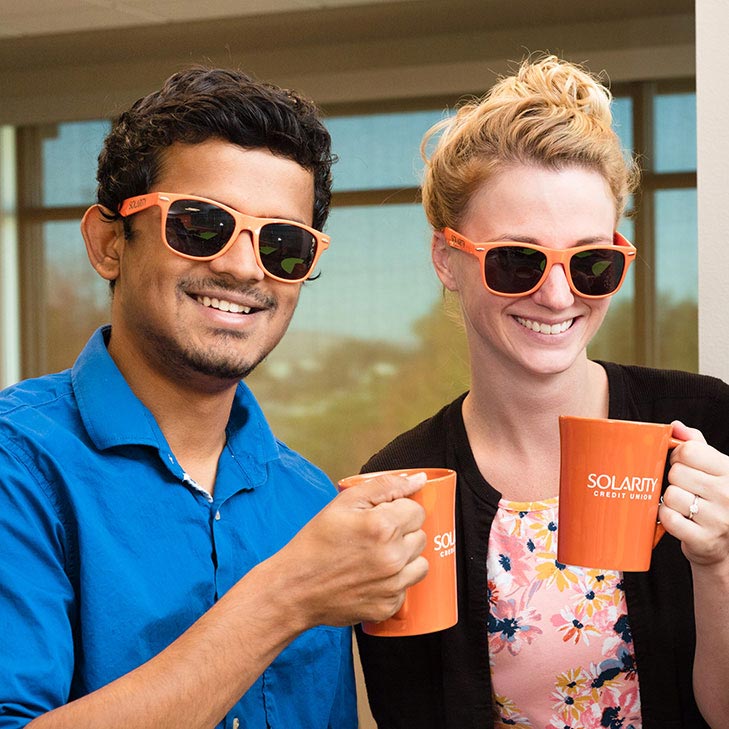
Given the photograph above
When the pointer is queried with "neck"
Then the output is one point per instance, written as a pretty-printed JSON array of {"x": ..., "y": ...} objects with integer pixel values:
[
  {"x": 191, "y": 413},
  {"x": 502, "y": 398},
  {"x": 512, "y": 423}
]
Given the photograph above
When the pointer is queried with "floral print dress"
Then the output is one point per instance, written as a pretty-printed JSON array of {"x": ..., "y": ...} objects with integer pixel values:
[{"x": 560, "y": 647}]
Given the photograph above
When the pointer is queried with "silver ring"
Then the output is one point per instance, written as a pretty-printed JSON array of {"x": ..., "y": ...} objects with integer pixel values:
[{"x": 694, "y": 508}]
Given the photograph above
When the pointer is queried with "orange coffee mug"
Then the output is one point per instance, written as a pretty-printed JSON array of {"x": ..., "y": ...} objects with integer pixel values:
[
  {"x": 611, "y": 474},
  {"x": 430, "y": 604}
]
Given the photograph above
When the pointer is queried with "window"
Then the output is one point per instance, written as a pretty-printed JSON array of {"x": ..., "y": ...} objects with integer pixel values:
[
  {"x": 372, "y": 349},
  {"x": 63, "y": 299},
  {"x": 673, "y": 186},
  {"x": 611, "y": 342},
  {"x": 658, "y": 123}
]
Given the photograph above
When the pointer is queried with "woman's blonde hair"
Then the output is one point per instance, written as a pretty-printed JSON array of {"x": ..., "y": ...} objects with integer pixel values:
[{"x": 551, "y": 113}]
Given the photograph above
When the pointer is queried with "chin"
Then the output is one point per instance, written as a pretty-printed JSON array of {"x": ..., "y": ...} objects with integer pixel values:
[
  {"x": 222, "y": 369},
  {"x": 219, "y": 366},
  {"x": 550, "y": 365}
]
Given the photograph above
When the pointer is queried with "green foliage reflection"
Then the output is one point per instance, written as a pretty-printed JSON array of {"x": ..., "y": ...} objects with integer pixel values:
[{"x": 339, "y": 408}]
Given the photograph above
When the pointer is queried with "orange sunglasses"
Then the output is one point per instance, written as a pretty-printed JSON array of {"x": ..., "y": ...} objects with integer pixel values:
[
  {"x": 201, "y": 229},
  {"x": 511, "y": 268}
]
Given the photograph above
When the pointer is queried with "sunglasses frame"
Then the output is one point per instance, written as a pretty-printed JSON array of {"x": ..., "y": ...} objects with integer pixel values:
[
  {"x": 554, "y": 256},
  {"x": 243, "y": 222}
]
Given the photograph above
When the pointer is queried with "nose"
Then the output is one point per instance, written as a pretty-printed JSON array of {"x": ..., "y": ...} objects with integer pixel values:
[
  {"x": 555, "y": 293},
  {"x": 239, "y": 261}
]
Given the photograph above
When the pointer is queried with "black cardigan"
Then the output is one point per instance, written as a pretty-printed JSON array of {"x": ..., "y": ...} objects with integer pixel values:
[{"x": 442, "y": 680}]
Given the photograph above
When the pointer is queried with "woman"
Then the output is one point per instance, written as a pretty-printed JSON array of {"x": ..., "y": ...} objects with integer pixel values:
[{"x": 540, "y": 644}]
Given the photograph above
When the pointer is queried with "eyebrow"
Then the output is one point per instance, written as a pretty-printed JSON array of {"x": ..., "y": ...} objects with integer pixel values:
[
  {"x": 590, "y": 240},
  {"x": 274, "y": 217}
]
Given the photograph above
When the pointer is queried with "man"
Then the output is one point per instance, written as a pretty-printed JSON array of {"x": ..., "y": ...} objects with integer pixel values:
[{"x": 165, "y": 561}]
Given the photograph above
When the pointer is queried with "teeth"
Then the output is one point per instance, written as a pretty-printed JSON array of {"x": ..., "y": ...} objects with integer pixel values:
[
  {"x": 223, "y": 305},
  {"x": 543, "y": 328}
]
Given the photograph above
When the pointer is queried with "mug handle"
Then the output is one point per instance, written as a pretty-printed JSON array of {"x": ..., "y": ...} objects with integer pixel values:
[{"x": 660, "y": 530}]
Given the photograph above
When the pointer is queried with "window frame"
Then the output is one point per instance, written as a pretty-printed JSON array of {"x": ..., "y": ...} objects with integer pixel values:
[
  {"x": 643, "y": 94},
  {"x": 32, "y": 215}
]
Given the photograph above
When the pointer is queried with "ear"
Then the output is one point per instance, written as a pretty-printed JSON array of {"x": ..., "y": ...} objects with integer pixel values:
[
  {"x": 104, "y": 242},
  {"x": 441, "y": 254}
]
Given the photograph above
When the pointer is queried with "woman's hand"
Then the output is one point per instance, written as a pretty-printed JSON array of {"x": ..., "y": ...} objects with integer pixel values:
[
  {"x": 695, "y": 506},
  {"x": 695, "y": 510}
]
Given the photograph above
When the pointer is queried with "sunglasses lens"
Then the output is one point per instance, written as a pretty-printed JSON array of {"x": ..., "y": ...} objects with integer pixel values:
[
  {"x": 197, "y": 228},
  {"x": 287, "y": 251},
  {"x": 514, "y": 270},
  {"x": 202, "y": 229},
  {"x": 598, "y": 272}
]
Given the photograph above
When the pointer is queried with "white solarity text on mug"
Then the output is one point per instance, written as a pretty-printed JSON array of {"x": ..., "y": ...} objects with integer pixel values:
[
  {"x": 444, "y": 543},
  {"x": 636, "y": 487}
]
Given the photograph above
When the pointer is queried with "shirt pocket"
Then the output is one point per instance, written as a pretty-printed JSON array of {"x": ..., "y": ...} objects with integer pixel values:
[{"x": 303, "y": 683}]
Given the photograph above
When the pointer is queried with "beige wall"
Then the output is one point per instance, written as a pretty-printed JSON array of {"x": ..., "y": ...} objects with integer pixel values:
[
  {"x": 712, "y": 101},
  {"x": 95, "y": 75}
]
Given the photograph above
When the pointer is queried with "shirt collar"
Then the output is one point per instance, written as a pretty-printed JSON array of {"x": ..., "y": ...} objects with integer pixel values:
[
  {"x": 248, "y": 431},
  {"x": 113, "y": 415}
]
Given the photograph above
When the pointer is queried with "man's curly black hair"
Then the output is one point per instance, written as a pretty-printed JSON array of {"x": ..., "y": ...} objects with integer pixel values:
[{"x": 198, "y": 104}]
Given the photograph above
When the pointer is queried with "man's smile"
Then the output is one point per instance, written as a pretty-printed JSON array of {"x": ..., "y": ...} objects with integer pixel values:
[{"x": 223, "y": 305}]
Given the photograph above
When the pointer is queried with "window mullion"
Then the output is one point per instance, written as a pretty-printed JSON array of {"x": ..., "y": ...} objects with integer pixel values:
[
  {"x": 31, "y": 254},
  {"x": 645, "y": 283}
]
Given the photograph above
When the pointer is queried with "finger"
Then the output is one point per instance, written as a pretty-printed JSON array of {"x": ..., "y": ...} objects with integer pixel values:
[
  {"x": 683, "y": 432},
  {"x": 414, "y": 571},
  {"x": 701, "y": 457},
  {"x": 407, "y": 514},
  {"x": 689, "y": 480},
  {"x": 386, "y": 488},
  {"x": 676, "y": 523},
  {"x": 390, "y": 600},
  {"x": 391, "y": 487},
  {"x": 414, "y": 543},
  {"x": 389, "y": 594},
  {"x": 683, "y": 502}
]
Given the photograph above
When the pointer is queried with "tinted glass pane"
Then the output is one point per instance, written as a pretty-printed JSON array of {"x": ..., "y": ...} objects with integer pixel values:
[
  {"x": 379, "y": 150},
  {"x": 675, "y": 130},
  {"x": 376, "y": 278},
  {"x": 615, "y": 341},
  {"x": 69, "y": 157},
  {"x": 76, "y": 297},
  {"x": 622, "y": 109},
  {"x": 677, "y": 278},
  {"x": 370, "y": 351}
]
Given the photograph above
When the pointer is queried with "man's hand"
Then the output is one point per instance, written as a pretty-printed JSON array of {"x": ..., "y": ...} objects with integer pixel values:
[
  {"x": 354, "y": 560},
  {"x": 351, "y": 562}
]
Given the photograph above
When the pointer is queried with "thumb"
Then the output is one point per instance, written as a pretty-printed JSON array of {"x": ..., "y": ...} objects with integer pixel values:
[{"x": 381, "y": 488}]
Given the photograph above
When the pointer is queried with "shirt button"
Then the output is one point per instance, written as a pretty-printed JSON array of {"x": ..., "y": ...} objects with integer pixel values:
[
  {"x": 217, "y": 518},
  {"x": 236, "y": 723}
]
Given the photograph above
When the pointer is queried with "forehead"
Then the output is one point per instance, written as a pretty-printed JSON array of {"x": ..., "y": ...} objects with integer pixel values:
[
  {"x": 254, "y": 181},
  {"x": 533, "y": 200}
]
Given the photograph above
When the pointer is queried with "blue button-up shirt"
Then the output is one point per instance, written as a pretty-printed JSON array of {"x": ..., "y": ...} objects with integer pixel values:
[{"x": 109, "y": 551}]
